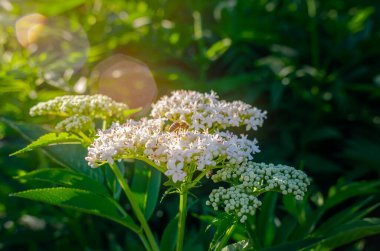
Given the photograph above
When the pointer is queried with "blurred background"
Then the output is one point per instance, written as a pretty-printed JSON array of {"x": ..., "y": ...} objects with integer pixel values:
[{"x": 312, "y": 64}]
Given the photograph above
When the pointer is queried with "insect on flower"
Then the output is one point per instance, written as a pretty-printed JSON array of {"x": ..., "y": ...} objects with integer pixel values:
[
  {"x": 209, "y": 173},
  {"x": 178, "y": 126}
]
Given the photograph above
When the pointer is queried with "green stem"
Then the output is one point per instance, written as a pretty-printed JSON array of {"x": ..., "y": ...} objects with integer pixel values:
[
  {"x": 182, "y": 217},
  {"x": 104, "y": 124},
  {"x": 145, "y": 242},
  {"x": 135, "y": 207},
  {"x": 226, "y": 237},
  {"x": 84, "y": 136}
]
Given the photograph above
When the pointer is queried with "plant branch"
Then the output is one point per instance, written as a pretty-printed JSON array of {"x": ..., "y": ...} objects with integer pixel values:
[
  {"x": 182, "y": 217},
  {"x": 135, "y": 207}
]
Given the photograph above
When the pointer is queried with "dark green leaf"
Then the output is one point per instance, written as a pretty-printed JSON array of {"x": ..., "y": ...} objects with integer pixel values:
[
  {"x": 69, "y": 156},
  {"x": 51, "y": 139},
  {"x": 339, "y": 194},
  {"x": 350, "y": 232},
  {"x": 266, "y": 215},
  {"x": 65, "y": 177},
  {"x": 81, "y": 200},
  {"x": 352, "y": 213},
  {"x": 146, "y": 186},
  {"x": 222, "y": 224},
  {"x": 295, "y": 245},
  {"x": 169, "y": 237}
]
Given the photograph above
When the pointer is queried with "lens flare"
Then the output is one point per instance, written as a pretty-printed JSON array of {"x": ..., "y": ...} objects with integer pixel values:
[
  {"x": 58, "y": 46},
  {"x": 29, "y": 28},
  {"x": 125, "y": 79}
]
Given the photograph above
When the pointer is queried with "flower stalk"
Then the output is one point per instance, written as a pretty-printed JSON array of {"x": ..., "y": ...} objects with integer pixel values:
[
  {"x": 135, "y": 207},
  {"x": 182, "y": 217}
]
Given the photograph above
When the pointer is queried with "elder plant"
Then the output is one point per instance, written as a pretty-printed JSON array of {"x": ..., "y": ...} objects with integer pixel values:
[{"x": 187, "y": 137}]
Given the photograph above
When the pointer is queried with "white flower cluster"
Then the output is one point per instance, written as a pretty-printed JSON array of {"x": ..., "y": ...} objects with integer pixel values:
[
  {"x": 75, "y": 123},
  {"x": 260, "y": 177},
  {"x": 127, "y": 139},
  {"x": 205, "y": 111},
  {"x": 179, "y": 153},
  {"x": 251, "y": 179},
  {"x": 237, "y": 200},
  {"x": 94, "y": 106}
]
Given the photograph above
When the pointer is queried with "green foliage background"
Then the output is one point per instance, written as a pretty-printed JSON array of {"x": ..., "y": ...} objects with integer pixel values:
[{"x": 312, "y": 64}]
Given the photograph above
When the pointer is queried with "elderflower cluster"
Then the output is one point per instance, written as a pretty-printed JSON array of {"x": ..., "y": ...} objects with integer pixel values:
[
  {"x": 266, "y": 177},
  {"x": 205, "y": 111},
  {"x": 94, "y": 106},
  {"x": 237, "y": 200},
  {"x": 179, "y": 153},
  {"x": 249, "y": 180},
  {"x": 75, "y": 123}
]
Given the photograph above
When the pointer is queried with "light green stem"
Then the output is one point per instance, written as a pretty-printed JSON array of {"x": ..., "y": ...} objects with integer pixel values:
[
  {"x": 182, "y": 217},
  {"x": 135, "y": 207},
  {"x": 84, "y": 136},
  {"x": 104, "y": 125},
  {"x": 226, "y": 237}
]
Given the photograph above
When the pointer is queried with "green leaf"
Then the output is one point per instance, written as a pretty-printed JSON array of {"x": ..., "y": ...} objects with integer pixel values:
[
  {"x": 222, "y": 224},
  {"x": 169, "y": 237},
  {"x": 295, "y": 245},
  {"x": 69, "y": 156},
  {"x": 50, "y": 139},
  {"x": 73, "y": 157},
  {"x": 81, "y": 200},
  {"x": 288, "y": 224},
  {"x": 53, "y": 9},
  {"x": 129, "y": 112},
  {"x": 266, "y": 227},
  {"x": 339, "y": 194},
  {"x": 65, "y": 177},
  {"x": 218, "y": 48},
  {"x": 350, "y": 232},
  {"x": 146, "y": 187},
  {"x": 28, "y": 131},
  {"x": 349, "y": 214}
]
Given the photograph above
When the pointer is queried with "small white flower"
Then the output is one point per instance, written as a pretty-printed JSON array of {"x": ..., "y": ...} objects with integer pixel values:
[
  {"x": 205, "y": 111},
  {"x": 175, "y": 171},
  {"x": 173, "y": 150},
  {"x": 94, "y": 106},
  {"x": 75, "y": 123}
]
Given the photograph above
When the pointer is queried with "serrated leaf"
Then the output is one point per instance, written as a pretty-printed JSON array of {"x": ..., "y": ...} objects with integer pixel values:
[
  {"x": 50, "y": 139},
  {"x": 65, "y": 177},
  {"x": 81, "y": 200},
  {"x": 69, "y": 156},
  {"x": 146, "y": 187}
]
